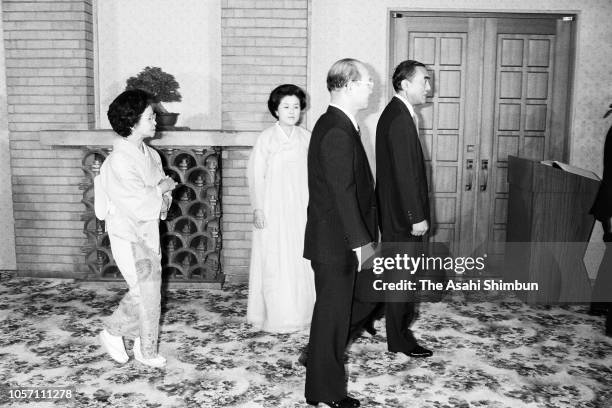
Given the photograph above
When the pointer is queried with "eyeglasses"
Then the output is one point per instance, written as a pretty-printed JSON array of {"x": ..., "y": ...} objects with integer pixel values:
[{"x": 369, "y": 82}]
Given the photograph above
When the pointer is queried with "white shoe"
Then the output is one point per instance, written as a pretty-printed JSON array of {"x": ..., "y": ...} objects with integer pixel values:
[
  {"x": 114, "y": 346},
  {"x": 158, "y": 361}
]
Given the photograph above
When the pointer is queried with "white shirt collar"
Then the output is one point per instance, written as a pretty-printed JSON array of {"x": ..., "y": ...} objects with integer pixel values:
[
  {"x": 351, "y": 117},
  {"x": 408, "y": 105}
]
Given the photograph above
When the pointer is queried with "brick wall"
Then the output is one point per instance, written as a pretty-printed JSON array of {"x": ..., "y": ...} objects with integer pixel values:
[
  {"x": 264, "y": 44},
  {"x": 49, "y": 69},
  {"x": 49, "y": 66},
  {"x": 237, "y": 217}
]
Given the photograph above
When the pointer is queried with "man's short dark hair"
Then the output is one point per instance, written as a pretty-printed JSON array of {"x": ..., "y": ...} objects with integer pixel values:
[
  {"x": 285, "y": 90},
  {"x": 125, "y": 111},
  {"x": 342, "y": 72},
  {"x": 405, "y": 70}
]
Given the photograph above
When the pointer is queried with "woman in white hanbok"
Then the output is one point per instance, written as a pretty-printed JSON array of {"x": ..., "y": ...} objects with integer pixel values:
[
  {"x": 131, "y": 193},
  {"x": 281, "y": 281}
]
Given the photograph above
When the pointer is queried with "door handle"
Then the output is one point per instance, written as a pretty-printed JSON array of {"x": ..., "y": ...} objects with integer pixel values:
[
  {"x": 484, "y": 167},
  {"x": 469, "y": 166}
]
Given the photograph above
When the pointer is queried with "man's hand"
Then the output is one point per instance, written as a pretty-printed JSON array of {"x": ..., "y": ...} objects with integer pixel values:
[
  {"x": 364, "y": 256},
  {"x": 259, "y": 220},
  {"x": 420, "y": 228}
]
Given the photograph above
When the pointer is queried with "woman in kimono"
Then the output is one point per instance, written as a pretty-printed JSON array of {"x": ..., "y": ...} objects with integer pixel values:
[
  {"x": 130, "y": 194},
  {"x": 281, "y": 282}
]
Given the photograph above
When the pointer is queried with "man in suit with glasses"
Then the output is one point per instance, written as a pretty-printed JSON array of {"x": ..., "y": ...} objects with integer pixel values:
[{"x": 340, "y": 231}]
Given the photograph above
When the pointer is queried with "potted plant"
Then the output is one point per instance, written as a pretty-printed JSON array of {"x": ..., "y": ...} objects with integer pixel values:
[{"x": 165, "y": 88}]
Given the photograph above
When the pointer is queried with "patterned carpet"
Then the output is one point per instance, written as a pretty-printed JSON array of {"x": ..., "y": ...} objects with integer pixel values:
[{"x": 488, "y": 354}]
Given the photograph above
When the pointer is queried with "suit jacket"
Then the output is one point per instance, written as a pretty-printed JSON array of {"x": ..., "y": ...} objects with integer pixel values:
[
  {"x": 342, "y": 202},
  {"x": 602, "y": 208},
  {"x": 401, "y": 179}
]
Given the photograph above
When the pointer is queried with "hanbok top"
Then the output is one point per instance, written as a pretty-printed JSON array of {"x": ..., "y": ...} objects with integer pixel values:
[{"x": 273, "y": 148}]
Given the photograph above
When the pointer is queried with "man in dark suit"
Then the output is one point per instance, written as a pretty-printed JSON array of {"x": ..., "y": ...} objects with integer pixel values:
[
  {"x": 340, "y": 230},
  {"x": 401, "y": 187},
  {"x": 602, "y": 210}
]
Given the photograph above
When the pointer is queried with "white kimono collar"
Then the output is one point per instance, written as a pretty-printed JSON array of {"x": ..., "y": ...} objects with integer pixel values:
[{"x": 129, "y": 148}]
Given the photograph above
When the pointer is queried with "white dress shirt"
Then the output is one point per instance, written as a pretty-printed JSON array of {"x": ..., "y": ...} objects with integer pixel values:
[{"x": 415, "y": 118}]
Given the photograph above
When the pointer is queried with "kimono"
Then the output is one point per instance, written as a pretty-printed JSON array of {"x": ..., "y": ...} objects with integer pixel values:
[
  {"x": 128, "y": 199},
  {"x": 281, "y": 281}
]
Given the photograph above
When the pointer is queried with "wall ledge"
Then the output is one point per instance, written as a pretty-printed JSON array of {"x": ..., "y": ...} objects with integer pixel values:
[{"x": 105, "y": 137}]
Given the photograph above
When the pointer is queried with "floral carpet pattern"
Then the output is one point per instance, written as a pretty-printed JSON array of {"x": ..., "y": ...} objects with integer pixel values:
[{"x": 488, "y": 354}]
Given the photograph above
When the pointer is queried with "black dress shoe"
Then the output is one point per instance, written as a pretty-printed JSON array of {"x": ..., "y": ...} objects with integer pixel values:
[
  {"x": 597, "y": 312},
  {"x": 369, "y": 327},
  {"x": 303, "y": 358},
  {"x": 346, "y": 402},
  {"x": 598, "y": 309},
  {"x": 418, "y": 351}
]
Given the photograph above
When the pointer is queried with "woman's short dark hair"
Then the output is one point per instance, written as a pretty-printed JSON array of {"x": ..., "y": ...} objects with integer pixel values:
[
  {"x": 285, "y": 90},
  {"x": 125, "y": 111}
]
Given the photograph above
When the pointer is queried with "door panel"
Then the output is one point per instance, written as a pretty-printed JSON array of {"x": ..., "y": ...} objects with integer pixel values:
[
  {"x": 492, "y": 96},
  {"x": 441, "y": 124},
  {"x": 522, "y": 116}
]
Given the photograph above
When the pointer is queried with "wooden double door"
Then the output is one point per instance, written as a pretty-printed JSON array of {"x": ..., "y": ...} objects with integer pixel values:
[{"x": 500, "y": 86}]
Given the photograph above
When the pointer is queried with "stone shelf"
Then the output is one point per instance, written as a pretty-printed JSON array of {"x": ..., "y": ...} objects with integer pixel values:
[{"x": 104, "y": 137}]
